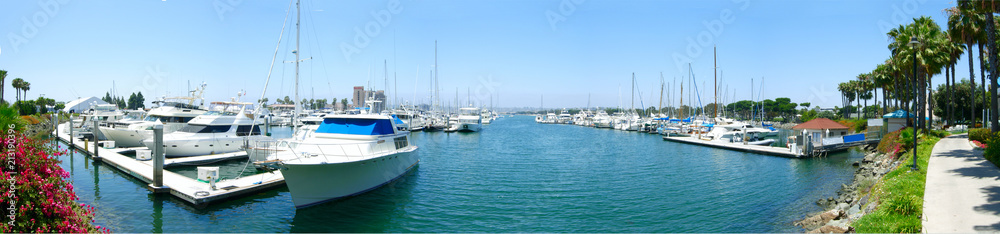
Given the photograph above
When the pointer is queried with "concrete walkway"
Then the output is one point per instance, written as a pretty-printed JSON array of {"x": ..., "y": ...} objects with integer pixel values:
[{"x": 963, "y": 189}]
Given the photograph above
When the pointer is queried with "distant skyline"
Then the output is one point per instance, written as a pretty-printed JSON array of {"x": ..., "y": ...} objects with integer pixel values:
[{"x": 513, "y": 51}]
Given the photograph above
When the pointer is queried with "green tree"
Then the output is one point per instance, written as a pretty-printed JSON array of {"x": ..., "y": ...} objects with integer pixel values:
[
  {"x": 343, "y": 102},
  {"x": 140, "y": 101},
  {"x": 25, "y": 86},
  {"x": 131, "y": 101},
  {"x": 928, "y": 56},
  {"x": 964, "y": 27},
  {"x": 3, "y": 78},
  {"x": 17, "y": 83}
]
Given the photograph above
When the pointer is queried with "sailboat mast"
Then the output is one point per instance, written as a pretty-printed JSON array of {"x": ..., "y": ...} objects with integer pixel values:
[
  {"x": 298, "y": 31},
  {"x": 437, "y": 91},
  {"x": 633, "y": 92},
  {"x": 660, "y": 107},
  {"x": 715, "y": 69}
]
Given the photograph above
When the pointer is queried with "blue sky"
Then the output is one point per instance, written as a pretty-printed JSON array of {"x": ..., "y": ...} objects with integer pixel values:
[{"x": 513, "y": 51}]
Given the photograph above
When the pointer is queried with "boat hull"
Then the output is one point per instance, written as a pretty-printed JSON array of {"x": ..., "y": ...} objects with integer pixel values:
[
  {"x": 126, "y": 138},
  {"x": 199, "y": 146},
  {"x": 312, "y": 184},
  {"x": 470, "y": 127}
]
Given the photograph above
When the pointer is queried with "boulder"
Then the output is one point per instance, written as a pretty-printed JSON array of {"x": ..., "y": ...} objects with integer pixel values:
[
  {"x": 854, "y": 210},
  {"x": 830, "y": 229}
]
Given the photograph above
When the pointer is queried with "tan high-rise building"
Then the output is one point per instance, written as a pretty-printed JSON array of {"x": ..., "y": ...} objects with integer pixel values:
[{"x": 359, "y": 96}]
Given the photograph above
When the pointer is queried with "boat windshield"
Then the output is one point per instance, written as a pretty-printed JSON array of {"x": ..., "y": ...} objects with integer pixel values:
[
  {"x": 354, "y": 126},
  {"x": 218, "y": 113},
  {"x": 193, "y": 128}
]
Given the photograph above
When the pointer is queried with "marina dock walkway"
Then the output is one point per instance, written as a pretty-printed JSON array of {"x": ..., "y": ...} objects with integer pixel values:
[
  {"x": 198, "y": 193},
  {"x": 962, "y": 192}
]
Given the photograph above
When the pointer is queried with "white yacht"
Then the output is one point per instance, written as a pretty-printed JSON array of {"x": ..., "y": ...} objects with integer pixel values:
[
  {"x": 738, "y": 134},
  {"x": 345, "y": 155},
  {"x": 172, "y": 114},
  {"x": 469, "y": 120},
  {"x": 214, "y": 132},
  {"x": 411, "y": 119},
  {"x": 602, "y": 120}
]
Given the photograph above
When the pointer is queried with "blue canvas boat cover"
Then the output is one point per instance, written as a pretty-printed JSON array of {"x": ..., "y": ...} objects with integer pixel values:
[{"x": 354, "y": 126}]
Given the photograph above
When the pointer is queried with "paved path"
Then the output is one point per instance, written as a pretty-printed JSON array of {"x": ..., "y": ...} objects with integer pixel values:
[{"x": 963, "y": 189}]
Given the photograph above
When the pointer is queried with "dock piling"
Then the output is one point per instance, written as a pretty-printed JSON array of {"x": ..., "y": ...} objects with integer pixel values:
[
  {"x": 267, "y": 126},
  {"x": 71, "y": 137},
  {"x": 158, "y": 158},
  {"x": 93, "y": 131}
]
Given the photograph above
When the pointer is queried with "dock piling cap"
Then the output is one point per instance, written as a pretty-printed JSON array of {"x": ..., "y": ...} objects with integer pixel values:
[{"x": 158, "y": 126}]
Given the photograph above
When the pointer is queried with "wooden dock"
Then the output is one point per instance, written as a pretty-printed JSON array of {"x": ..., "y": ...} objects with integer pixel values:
[
  {"x": 199, "y": 194},
  {"x": 768, "y": 150}
]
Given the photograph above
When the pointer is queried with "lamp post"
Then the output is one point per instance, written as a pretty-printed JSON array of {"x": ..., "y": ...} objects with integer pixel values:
[{"x": 913, "y": 46}]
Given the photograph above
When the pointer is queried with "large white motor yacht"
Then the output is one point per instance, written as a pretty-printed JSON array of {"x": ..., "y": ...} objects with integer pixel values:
[{"x": 345, "y": 155}]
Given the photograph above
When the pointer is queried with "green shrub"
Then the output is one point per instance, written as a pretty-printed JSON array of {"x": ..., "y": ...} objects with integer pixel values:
[
  {"x": 992, "y": 152},
  {"x": 906, "y": 137},
  {"x": 938, "y": 133},
  {"x": 856, "y": 125},
  {"x": 979, "y": 134}
]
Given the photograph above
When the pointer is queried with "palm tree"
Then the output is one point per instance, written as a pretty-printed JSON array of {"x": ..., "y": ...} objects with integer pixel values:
[
  {"x": 25, "y": 86},
  {"x": 847, "y": 96},
  {"x": 955, "y": 52},
  {"x": 3, "y": 77},
  {"x": 864, "y": 86},
  {"x": 17, "y": 83},
  {"x": 930, "y": 55},
  {"x": 963, "y": 26}
]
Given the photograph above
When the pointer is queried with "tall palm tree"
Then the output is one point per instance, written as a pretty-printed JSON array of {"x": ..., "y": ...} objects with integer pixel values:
[
  {"x": 964, "y": 26},
  {"x": 956, "y": 50},
  {"x": 847, "y": 96},
  {"x": 17, "y": 83},
  {"x": 864, "y": 86},
  {"x": 930, "y": 56},
  {"x": 3, "y": 77},
  {"x": 25, "y": 86}
]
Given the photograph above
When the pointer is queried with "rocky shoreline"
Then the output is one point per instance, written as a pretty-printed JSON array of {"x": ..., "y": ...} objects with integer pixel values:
[{"x": 850, "y": 205}]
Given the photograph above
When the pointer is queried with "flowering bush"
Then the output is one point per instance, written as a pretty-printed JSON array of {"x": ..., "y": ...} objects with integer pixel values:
[
  {"x": 890, "y": 145},
  {"x": 36, "y": 197},
  {"x": 979, "y": 144}
]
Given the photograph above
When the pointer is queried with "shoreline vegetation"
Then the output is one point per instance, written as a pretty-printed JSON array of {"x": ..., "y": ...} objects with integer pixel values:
[
  {"x": 36, "y": 195},
  {"x": 885, "y": 196}
]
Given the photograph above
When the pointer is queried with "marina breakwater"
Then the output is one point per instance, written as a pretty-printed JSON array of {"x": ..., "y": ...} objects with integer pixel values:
[{"x": 853, "y": 200}]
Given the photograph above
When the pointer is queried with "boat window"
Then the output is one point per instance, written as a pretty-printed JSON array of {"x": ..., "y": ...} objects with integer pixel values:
[
  {"x": 205, "y": 129},
  {"x": 356, "y": 126},
  {"x": 400, "y": 142},
  {"x": 245, "y": 130}
]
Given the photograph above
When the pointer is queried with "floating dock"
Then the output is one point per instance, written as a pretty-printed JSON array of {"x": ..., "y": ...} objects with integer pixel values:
[
  {"x": 197, "y": 193},
  {"x": 768, "y": 150}
]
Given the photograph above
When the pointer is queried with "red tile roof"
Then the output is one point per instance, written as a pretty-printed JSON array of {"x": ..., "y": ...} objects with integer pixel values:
[{"x": 821, "y": 124}]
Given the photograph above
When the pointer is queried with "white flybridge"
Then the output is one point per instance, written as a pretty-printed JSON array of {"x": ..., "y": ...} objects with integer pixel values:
[{"x": 173, "y": 113}]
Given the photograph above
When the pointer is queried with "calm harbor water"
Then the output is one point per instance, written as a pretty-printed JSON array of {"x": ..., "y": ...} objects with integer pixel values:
[{"x": 514, "y": 176}]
